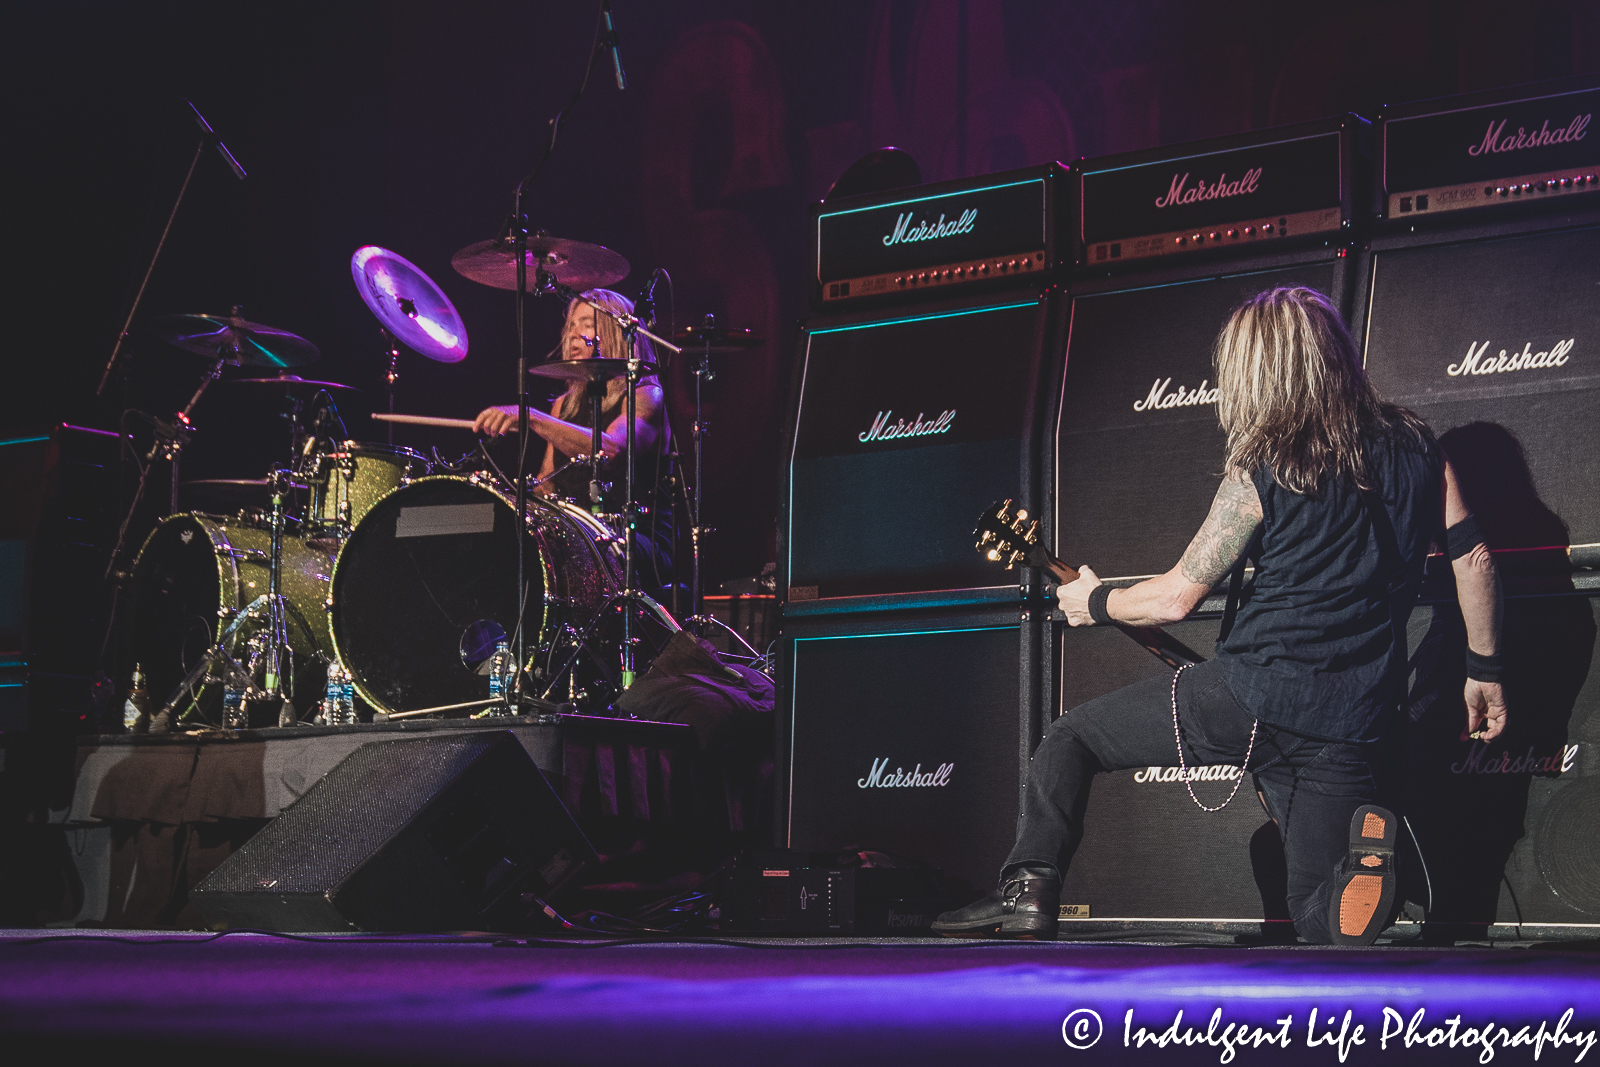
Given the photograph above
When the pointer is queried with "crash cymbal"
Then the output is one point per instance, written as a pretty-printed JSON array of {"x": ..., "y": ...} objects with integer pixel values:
[
  {"x": 233, "y": 340},
  {"x": 720, "y": 338},
  {"x": 576, "y": 263},
  {"x": 408, "y": 304},
  {"x": 588, "y": 370},
  {"x": 290, "y": 381}
]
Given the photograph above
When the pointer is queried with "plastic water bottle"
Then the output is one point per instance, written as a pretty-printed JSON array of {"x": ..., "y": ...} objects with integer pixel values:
[
  {"x": 500, "y": 671},
  {"x": 235, "y": 713},
  {"x": 339, "y": 698},
  {"x": 347, "y": 697},
  {"x": 136, "y": 712},
  {"x": 332, "y": 695}
]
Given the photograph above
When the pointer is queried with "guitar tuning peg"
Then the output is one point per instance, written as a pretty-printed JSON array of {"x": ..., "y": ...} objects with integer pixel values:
[
  {"x": 988, "y": 535},
  {"x": 1016, "y": 558},
  {"x": 1022, "y": 515},
  {"x": 993, "y": 555},
  {"x": 1001, "y": 514},
  {"x": 1033, "y": 531}
]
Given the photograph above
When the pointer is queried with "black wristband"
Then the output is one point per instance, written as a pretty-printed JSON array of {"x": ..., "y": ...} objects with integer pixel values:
[
  {"x": 1484, "y": 668},
  {"x": 1463, "y": 537},
  {"x": 1097, "y": 605}
]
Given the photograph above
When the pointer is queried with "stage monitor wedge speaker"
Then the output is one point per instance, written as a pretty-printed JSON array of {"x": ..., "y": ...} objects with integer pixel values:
[
  {"x": 440, "y": 833},
  {"x": 906, "y": 428},
  {"x": 904, "y": 737}
]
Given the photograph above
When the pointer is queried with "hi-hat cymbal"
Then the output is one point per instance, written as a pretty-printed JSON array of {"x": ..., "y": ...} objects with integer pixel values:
[
  {"x": 588, "y": 370},
  {"x": 720, "y": 338},
  {"x": 408, "y": 304},
  {"x": 290, "y": 381},
  {"x": 576, "y": 263},
  {"x": 233, "y": 340}
]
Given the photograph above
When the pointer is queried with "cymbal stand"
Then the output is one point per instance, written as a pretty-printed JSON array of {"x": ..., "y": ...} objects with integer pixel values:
[
  {"x": 392, "y": 345},
  {"x": 275, "y": 648}
]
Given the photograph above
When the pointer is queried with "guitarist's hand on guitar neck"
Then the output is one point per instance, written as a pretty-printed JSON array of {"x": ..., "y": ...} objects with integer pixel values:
[{"x": 1073, "y": 596}]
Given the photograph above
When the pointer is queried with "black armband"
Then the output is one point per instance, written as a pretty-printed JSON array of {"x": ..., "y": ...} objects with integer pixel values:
[
  {"x": 1097, "y": 605},
  {"x": 1484, "y": 668},
  {"x": 1463, "y": 537}
]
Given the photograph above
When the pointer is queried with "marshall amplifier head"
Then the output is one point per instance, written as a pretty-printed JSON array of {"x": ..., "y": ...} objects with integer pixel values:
[
  {"x": 1139, "y": 450},
  {"x": 976, "y": 233},
  {"x": 1496, "y": 342},
  {"x": 1502, "y": 149},
  {"x": 907, "y": 427},
  {"x": 1245, "y": 193}
]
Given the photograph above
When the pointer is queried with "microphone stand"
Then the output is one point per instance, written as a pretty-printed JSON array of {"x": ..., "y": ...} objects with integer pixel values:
[{"x": 208, "y": 136}]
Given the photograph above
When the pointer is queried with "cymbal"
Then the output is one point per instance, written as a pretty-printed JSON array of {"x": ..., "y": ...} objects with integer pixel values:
[
  {"x": 721, "y": 338},
  {"x": 408, "y": 304},
  {"x": 233, "y": 340},
  {"x": 588, "y": 370},
  {"x": 289, "y": 381},
  {"x": 576, "y": 263}
]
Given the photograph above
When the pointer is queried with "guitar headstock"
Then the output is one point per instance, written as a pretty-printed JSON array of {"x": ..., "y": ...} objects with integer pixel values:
[{"x": 1009, "y": 538}]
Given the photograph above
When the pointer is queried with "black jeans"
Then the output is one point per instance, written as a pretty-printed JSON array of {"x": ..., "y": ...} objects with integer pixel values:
[{"x": 1311, "y": 787}]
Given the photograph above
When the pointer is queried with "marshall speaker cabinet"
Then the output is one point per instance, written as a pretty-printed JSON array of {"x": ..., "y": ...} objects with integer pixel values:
[
  {"x": 901, "y": 735},
  {"x": 1166, "y": 257},
  {"x": 1509, "y": 826},
  {"x": 974, "y": 234},
  {"x": 907, "y": 426},
  {"x": 1487, "y": 322},
  {"x": 1149, "y": 856}
]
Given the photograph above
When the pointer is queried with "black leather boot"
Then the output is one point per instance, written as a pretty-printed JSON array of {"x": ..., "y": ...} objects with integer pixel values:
[
  {"x": 1363, "y": 899},
  {"x": 1027, "y": 905}
]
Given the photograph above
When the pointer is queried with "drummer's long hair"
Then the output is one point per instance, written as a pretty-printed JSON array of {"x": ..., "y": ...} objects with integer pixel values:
[
  {"x": 1293, "y": 396},
  {"x": 613, "y": 345}
]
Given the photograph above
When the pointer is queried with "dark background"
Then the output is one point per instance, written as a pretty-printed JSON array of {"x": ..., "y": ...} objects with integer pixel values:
[{"x": 407, "y": 125}]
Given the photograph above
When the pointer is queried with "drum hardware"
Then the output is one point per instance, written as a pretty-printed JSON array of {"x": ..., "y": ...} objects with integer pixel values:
[
  {"x": 270, "y": 649},
  {"x": 208, "y": 136},
  {"x": 706, "y": 339}
]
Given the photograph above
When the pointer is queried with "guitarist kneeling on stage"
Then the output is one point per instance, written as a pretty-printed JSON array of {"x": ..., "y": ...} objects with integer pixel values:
[{"x": 1346, "y": 493}]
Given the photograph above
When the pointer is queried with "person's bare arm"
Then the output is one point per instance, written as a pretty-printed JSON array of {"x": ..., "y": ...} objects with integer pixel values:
[
  {"x": 1223, "y": 537},
  {"x": 570, "y": 438},
  {"x": 1478, "y": 593}
]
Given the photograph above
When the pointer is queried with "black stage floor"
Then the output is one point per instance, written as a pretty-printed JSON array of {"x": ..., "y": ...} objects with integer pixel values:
[{"x": 245, "y": 998}]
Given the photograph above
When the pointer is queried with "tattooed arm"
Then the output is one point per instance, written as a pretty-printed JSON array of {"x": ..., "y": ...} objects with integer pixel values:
[{"x": 1169, "y": 597}]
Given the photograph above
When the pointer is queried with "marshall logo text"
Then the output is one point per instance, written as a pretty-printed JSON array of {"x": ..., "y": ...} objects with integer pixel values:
[
  {"x": 1497, "y": 140},
  {"x": 1217, "y": 190},
  {"x": 1159, "y": 398},
  {"x": 1217, "y": 772},
  {"x": 905, "y": 233},
  {"x": 1478, "y": 761},
  {"x": 880, "y": 429},
  {"x": 1476, "y": 362},
  {"x": 879, "y": 778}
]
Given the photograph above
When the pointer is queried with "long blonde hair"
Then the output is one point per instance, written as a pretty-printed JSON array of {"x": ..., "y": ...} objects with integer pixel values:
[
  {"x": 613, "y": 345},
  {"x": 1292, "y": 394}
]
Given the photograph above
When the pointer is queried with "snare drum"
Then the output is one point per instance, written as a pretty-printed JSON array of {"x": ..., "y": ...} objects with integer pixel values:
[
  {"x": 347, "y": 482},
  {"x": 193, "y": 574},
  {"x": 429, "y": 571}
]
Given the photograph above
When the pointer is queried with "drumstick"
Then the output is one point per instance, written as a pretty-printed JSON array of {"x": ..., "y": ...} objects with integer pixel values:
[{"x": 425, "y": 420}]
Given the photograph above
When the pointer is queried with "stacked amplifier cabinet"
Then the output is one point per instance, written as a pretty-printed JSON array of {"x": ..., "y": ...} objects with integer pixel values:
[
  {"x": 907, "y": 661},
  {"x": 1170, "y": 241},
  {"x": 1483, "y": 315}
]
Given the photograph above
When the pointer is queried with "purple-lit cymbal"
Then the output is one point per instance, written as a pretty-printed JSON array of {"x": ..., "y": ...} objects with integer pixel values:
[
  {"x": 720, "y": 338},
  {"x": 576, "y": 263},
  {"x": 587, "y": 370},
  {"x": 233, "y": 340},
  {"x": 408, "y": 304},
  {"x": 290, "y": 382}
]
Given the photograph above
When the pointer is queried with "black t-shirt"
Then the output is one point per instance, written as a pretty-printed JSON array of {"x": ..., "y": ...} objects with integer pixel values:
[{"x": 1312, "y": 649}]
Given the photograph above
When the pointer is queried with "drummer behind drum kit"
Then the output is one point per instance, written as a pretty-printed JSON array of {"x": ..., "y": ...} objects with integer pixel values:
[{"x": 355, "y": 564}]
